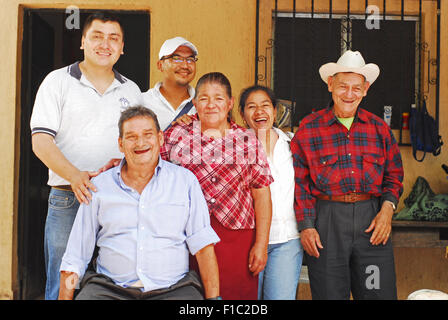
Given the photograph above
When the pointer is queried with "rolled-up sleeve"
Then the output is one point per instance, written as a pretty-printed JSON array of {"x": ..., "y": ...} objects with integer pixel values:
[
  {"x": 198, "y": 231},
  {"x": 82, "y": 240}
]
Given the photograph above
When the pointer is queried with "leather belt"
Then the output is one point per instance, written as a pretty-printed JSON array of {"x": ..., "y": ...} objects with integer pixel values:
[
  {"x": 65, "y": 188},
  {"x": 349, "y": 197}
]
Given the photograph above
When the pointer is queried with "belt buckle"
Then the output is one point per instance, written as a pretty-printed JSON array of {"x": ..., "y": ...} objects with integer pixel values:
[{"x": 352, "y": 197}]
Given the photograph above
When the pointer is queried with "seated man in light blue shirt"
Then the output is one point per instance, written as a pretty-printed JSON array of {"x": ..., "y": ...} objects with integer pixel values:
[{"x": 145, "y": 219}]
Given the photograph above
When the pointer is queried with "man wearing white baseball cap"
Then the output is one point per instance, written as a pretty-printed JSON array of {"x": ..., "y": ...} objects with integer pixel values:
[
  {"x": 171, "y": 98},
  {"x": 348, "y": 174}
]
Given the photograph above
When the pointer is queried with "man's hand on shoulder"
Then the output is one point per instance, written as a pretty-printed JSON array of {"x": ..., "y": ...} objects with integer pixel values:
[
  {"x": 81, "y": 186},
  {"x": 185, "y": 119}
]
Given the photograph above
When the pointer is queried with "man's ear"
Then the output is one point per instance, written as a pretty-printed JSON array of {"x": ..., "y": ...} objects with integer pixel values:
[
  {"x": 161, "y": 138},
  {"x": 330, "y": 82},
  {"x": 366, "y": 87},
  {"x": 160, "y": 65},
  {"x": 120, "y": 144},
  {"x": 82, "y": 43}
]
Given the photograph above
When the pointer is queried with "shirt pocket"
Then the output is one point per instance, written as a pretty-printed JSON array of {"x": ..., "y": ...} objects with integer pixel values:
[
  {"x": 168, "y": 222},
  {"x": 324, "y": 171},
  {"x": 373, "y": 168}
]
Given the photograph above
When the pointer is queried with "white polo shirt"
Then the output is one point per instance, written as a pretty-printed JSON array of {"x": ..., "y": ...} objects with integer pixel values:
[
  {"x": 154, "y": 100},
  {"x": 83, "y": 122},
  {"x": 284, "y": 223}
]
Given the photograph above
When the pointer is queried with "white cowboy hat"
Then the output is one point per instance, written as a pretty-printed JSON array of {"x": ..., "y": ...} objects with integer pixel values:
[{"x": 350, "y": 62}]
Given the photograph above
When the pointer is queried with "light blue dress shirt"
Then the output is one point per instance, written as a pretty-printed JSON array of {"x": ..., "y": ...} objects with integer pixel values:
[{"x": 144, "y": 237}]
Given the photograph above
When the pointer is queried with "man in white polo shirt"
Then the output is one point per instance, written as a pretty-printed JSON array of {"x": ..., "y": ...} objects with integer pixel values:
[
  {"x": 74, "y": 130},
  {"x": 171, "y": 98}
]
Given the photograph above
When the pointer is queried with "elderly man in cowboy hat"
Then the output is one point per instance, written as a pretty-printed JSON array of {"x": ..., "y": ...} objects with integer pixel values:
[{"x": 348, "y": 176}]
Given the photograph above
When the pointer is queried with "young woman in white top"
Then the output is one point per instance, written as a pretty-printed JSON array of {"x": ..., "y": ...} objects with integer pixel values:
[{"x": 280, "y": 278}]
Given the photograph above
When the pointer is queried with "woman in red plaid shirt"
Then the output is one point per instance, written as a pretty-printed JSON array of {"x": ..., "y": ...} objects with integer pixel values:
[{"x": 234, "y": 174}]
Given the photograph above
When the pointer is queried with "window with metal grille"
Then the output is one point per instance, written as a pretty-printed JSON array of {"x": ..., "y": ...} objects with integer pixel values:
[
  {"x": 294, "y": 38},
  {"x": 321, "y": 40}
]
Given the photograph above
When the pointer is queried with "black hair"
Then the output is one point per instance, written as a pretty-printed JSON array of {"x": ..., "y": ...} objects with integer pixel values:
[
  {"x": 214, "y": 77},
  {"x": 137, "y": 111},
  {"x": 104, "y": 17},
  {"x": 246, "y": 92}
]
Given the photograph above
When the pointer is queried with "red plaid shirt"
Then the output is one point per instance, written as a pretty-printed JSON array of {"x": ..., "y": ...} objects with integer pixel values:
[
  {"x": 227, "y": 169},
  {"x": 328, "y": 159}
]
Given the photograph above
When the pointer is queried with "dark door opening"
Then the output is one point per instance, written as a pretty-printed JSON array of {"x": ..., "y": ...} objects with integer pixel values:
[{"x": 48, "y": 45}]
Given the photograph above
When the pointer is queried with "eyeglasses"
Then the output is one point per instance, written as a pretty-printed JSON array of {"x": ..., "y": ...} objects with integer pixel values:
[{"x": 178, "y": 59}]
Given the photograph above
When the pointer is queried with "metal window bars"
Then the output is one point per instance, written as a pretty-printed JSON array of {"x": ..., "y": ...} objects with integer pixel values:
[{"x": 424, "y": 81}]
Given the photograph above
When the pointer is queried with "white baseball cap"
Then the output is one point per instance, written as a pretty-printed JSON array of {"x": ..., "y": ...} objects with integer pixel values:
[{"x": 171, "y": 45}]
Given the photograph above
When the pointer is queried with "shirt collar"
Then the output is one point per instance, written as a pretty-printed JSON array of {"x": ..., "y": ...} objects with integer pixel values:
[
  {"x": 282, "y": 135},
  {"x": 191, "y": 91},
  {"x": 75, "y": 71},
  {"x": 330, "y": 117},
  {"x": 195, "y": 117},
  {"x": 159, "y": 167}
]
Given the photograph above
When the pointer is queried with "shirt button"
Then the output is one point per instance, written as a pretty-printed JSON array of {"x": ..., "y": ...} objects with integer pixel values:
[
  {"x": 353, "y": 172},
  {"x": 349, "y": 154},
  {"x": 142, "y": 228},
  {"x": 213, "y": 160},
  {"x": 212, "y": 200},
  {"x": 213, "y": 179}
]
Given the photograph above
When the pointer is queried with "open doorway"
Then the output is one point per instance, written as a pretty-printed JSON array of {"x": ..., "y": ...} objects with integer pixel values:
[{"x": 48, "y": 45}]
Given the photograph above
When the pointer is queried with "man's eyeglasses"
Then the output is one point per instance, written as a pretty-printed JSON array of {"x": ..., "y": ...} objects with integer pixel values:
[{"x": 178, "y": 59}]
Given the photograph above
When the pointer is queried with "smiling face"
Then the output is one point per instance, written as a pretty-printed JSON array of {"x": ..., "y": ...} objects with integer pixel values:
[
  {"x": 347, "y": 90},
  {"x": 182, "y": 73},
  {"x": 102, "y": 43},
  {"x": 213, "y": 105},
  {"x": 140, "y": 141},
  {"x": 259, "y": 112}
]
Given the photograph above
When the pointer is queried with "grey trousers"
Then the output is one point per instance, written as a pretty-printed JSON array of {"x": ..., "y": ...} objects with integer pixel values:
[
  {"x": 96, "y": 286},
  {"x": 349, "y": 262}
]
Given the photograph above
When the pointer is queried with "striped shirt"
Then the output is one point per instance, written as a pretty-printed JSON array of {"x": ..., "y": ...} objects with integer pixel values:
[{"x": 328, "y": 159}]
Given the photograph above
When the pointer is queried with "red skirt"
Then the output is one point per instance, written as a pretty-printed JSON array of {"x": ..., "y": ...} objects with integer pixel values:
[{"x": 236, "y": 282}]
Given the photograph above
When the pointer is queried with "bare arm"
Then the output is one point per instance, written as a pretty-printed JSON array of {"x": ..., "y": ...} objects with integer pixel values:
[
  {"x": 208, "y": 268},
  {"x": 258, "y": 255},
  {"x": 47, "y": 151},
  {"x": 68, "y": 281}
]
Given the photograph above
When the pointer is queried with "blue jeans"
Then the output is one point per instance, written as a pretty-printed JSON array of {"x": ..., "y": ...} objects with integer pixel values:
[
  {"x": 280, "y": 277},
  {"x": 62, "y": 209}
]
